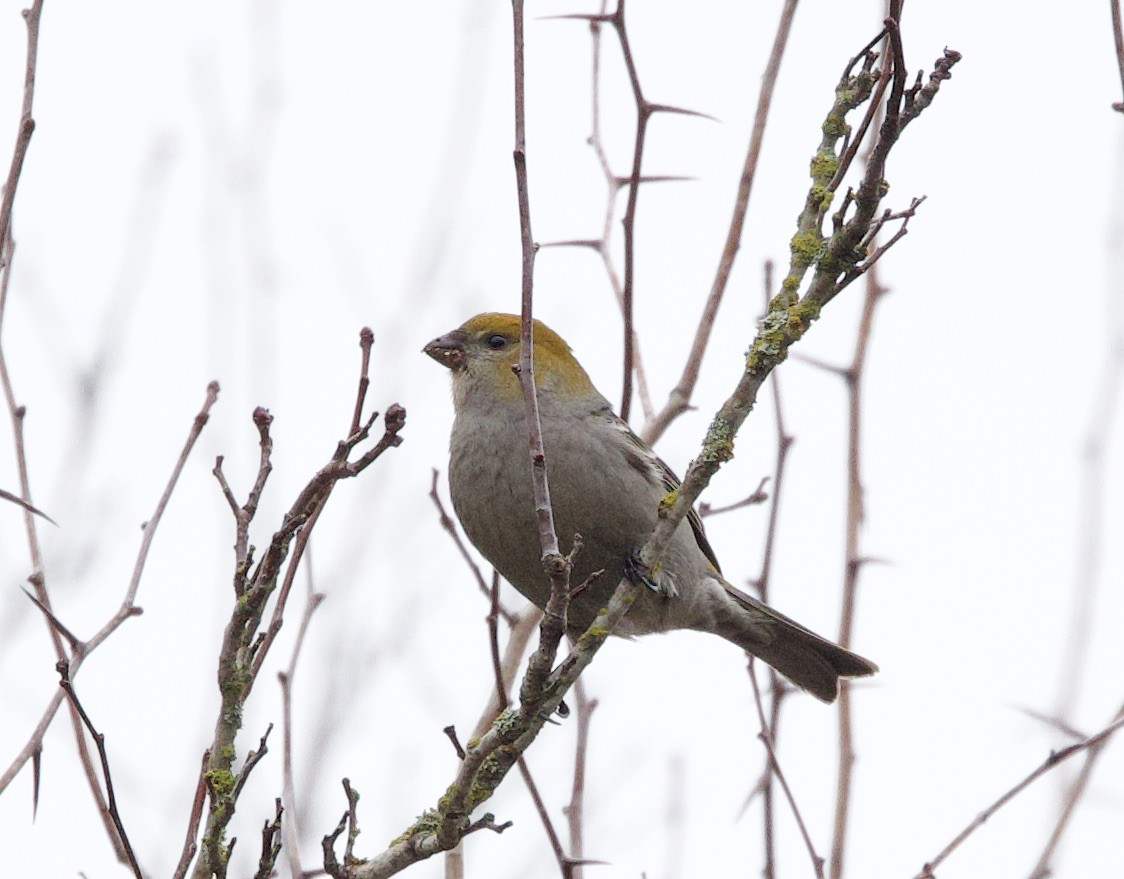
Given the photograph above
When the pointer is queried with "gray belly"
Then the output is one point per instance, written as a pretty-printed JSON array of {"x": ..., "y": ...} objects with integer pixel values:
[{"x": 594, "y": 496}]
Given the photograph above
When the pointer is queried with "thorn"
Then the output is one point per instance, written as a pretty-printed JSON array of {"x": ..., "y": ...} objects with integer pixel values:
[{"x": 679, "y": 111}]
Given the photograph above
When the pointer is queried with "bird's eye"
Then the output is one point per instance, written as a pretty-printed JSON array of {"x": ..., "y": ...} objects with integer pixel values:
[{"x": 496, "y": 342}]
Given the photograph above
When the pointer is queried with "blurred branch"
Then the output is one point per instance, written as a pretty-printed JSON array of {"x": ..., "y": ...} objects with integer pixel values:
[
  {"x": 680, "y": 398},
  {"x": 1055, "y": 758},
  {"x": 1043, "y": 868},
  {"x": 244, "y": 645},
  {"x": 1092, "y": 521},
  {"x": 575, "y": 811},
  {"x": 290, "y": 832},
  {"x": 852, "y": 564}
]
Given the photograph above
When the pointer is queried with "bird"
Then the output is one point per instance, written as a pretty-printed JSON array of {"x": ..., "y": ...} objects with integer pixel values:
[{"x": 606, "y": 485}]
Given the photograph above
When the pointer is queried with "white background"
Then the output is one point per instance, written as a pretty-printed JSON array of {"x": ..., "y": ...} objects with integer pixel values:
[{"x": 231, "y": 191}]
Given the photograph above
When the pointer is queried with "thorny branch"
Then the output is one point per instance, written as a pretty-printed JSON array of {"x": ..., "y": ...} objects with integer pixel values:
[
  {"x": 17, "y": 414},
  {"x": 645, "y": 109},
  {"x": 614, "y": 183}
]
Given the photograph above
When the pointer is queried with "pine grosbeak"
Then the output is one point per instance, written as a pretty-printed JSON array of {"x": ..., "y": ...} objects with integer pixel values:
[{"x": 606, "y": 485}]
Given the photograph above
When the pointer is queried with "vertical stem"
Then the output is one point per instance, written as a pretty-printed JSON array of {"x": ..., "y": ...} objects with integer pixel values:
[{"x": 852, "y": 563}]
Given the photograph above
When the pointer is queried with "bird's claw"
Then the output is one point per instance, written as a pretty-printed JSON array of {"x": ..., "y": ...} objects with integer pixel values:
[{"x": 638, "y": 572}]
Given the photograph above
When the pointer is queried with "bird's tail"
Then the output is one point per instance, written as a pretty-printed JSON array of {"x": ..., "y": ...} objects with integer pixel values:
[{"x": 809, "y": 661}]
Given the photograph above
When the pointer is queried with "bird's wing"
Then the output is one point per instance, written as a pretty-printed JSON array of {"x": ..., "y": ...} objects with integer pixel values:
[{"x": 642, "y": 458}]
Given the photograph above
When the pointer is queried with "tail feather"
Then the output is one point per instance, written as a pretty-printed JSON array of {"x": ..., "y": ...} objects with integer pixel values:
[{"x": 811, "y": 662}]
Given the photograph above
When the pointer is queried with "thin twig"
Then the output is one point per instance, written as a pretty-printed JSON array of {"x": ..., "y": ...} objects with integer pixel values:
[
  {"x": 244, "y": 645},
  {"x": 575, "y": 811},
  {"x": 556, "y": 566},
  {"x": 291, "y": 828},
  {"x": 758, "y": 496},
  {"x": 1092, "y": 521},
  {"x": 544, "y": 817},
  {"x": 99, "y": 741},
  {"x": 777, "y": 687},
  {"x": 1118, "y": 42},
  {"x": 852, "y": 563},
  {"x": 502, "y": 682},
  {"x": 1073, "y": 795},
  {"x": 767, "y": 740},
  {"x": 128, "y": 607},
  {"x": 17, "y": 414},
  {"x": 1054, "y": 759},
  {"x": 190, "y": 846},
  {"x": 680, "y": 398},
  {"x": 271, "y": 845}
]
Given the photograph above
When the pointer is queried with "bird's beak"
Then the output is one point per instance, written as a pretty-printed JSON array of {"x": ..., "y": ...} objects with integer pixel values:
[{"x": 448, "y": 350}]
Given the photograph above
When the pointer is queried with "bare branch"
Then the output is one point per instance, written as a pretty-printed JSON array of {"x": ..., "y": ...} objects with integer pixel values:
[
  {"x": 767, "y": 740},
  {"x": 1055, "y": 758},
  {"x": 99, "y": 741},
  {"x": 128, "y": 607}
]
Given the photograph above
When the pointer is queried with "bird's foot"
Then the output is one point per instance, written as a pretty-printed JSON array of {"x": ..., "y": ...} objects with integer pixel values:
[{"x": 652, "y": 576}]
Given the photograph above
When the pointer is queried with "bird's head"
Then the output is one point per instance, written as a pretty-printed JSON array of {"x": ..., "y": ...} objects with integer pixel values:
[{"x": 484, "y": 350}]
